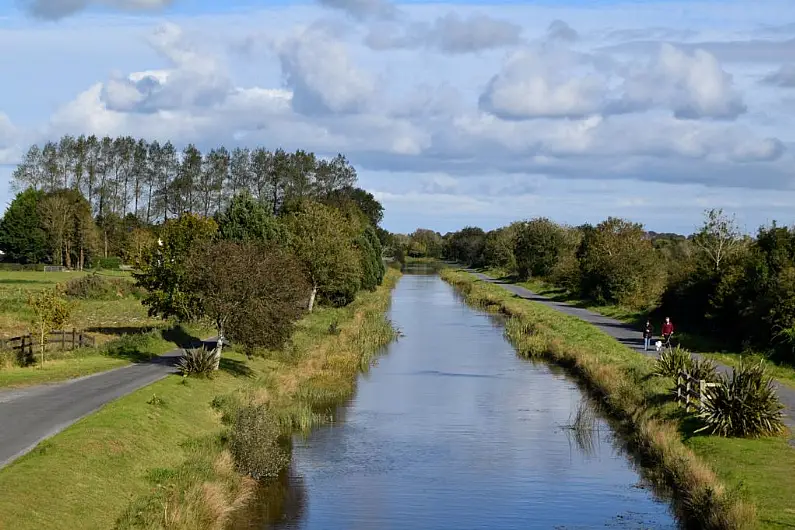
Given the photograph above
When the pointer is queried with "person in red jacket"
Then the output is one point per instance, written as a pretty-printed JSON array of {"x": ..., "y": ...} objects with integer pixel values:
[{"x": 667, "y": 329}]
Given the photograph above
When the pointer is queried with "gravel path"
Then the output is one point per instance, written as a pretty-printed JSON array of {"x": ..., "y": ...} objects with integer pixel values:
[{"x": 630, "y": 336}]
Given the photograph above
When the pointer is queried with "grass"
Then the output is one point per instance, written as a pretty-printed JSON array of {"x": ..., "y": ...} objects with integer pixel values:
[
  {"x": 108, "y": 321},
  {"x": 703, "y": 345},
  {"x": 718, "y": 483},
  {"x": 158, "y": 458},
  {"x": 122, "y": 351}
]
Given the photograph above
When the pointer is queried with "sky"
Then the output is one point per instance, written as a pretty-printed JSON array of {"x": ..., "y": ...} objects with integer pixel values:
[{"x": 454, "y": 114}]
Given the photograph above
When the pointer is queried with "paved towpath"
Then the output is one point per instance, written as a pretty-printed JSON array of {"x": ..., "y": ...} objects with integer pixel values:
[
  {"x": 29, "y": 415},
  {"x": 627, "y": 334}
]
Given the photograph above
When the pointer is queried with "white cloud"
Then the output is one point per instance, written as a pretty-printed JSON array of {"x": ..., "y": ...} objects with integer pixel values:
[
  {"x": 318, "y": 69},
  {"x": 692, "y": 85},
  {"x": 551, "y": 118},
  {"x": 542, "y": 82}
]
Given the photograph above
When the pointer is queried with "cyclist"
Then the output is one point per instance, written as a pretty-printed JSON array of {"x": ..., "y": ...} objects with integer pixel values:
[
  {"x": 667, "y": 331},
  {"x": 648, "y": 332}
]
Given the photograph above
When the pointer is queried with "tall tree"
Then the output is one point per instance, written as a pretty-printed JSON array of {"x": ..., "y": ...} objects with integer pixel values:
[
  {"x": 718, "y": 238},
  {"x": 21, "y": 236},
  {"x": 165, "y": 276},
  {"x": 245, "y": 219},
  {"x": 323, "y": 241},
  {"x": 251, "y": 293}
]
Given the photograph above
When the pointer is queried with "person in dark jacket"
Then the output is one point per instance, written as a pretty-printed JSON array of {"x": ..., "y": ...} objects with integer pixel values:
[
  {"x": 667, "y": 329},
  {"x": 648, "y": 332}
]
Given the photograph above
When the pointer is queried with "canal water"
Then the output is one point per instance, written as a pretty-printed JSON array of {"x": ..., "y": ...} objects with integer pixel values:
[{"x": 451, "y": 430}]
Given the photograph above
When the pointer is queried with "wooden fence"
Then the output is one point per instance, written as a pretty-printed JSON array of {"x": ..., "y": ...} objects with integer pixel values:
[
  {"x": 691, "y": 391},
  {"x": 63, "y": 340}
]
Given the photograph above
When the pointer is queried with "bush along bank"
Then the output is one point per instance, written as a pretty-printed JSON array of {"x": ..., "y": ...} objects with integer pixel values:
[
  {"x": 717, "y": 483},
  {"x": 290, "y": 391}
]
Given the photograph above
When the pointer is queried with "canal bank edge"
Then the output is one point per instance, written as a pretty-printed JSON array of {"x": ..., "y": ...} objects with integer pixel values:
[
  {"x": 159, "y": 457},
  {"x": 749, "y": 486}
]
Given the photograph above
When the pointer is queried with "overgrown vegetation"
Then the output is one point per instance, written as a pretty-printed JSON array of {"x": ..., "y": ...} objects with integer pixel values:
[{"x": 719, "y": 483}]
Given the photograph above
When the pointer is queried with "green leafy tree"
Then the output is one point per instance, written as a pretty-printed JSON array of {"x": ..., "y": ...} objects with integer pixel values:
[
  {"x": 323, "y": 241},
  {"x": 21, "y": 237},
  {"x": 539, "y": 244},
  {"x": 364, "y": 201},
  {"x": 246, "y": 219},
  {"x": 251, "y": 293},
  {"x": 466, "y": 246},
  {"x": 619, "y": 265},
  {"x": 51, "y": 311},
  {"x": 498, "y": 250},
  {"x": 166, "y": 276}
]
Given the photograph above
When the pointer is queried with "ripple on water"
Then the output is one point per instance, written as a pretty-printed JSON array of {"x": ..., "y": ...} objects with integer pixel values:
[{"x": 452, "y": 430}]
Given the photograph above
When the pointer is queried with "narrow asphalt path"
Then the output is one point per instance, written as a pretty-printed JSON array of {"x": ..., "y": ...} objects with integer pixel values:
[
  {"x": 30, "y": 415},
  {"x": 628, "y": 335}
]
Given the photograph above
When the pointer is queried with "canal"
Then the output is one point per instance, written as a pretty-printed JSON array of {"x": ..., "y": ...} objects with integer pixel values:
[{"x": 452, "y": 430}]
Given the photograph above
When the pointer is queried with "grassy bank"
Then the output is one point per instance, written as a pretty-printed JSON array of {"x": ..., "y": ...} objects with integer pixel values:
[
  {"x": 160, "y": 457},
  {"x": 703, "y": 345},
  {"x": 719, "y": 483}
]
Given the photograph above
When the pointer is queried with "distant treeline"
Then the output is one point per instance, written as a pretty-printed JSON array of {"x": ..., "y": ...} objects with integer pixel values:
[
  {"x": 736, "y": 289},
  {"x": 86, "y": 198}
]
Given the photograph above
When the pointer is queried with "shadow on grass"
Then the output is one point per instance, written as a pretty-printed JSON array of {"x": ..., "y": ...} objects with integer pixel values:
[
  {"x": 24, "y": 282},
  {"x": 180, "y": 337},
  {"x": 138, "y": 347},
  {"x": 235, "y": 367},
  {"x": 120, "y": 330}
]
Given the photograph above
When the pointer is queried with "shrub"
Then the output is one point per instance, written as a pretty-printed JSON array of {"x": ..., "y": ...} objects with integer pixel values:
[
  {"x": 744, "y": 404},
  {"x": 16, "y": 267},
  {"x": 96, "y": 287},
  {"x": 703, "y": 369},
  {"x": 255, "y": 444},
  {"x": 111, "y": 263},
  {"x": 198, "y": 361},
  {"x": 672, "y": 361}
]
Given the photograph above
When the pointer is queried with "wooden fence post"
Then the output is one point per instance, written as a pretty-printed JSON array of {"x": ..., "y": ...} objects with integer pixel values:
[{"x": 73, "y": 339}]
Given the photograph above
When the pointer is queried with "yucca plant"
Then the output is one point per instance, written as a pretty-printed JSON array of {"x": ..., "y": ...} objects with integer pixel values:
[
  {"x": 672, "y": 361},
  {"x": 198, "y": 361},
  {"x": 704, "y": 369},
  {"x": 744, "y": 405}
]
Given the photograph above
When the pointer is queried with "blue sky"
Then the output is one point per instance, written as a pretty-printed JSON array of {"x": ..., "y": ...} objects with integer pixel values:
[{"x": 453, "y": 113}]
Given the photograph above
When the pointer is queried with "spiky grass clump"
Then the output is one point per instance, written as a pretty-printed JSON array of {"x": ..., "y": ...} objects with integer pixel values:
[
  {"x": 703, "y": 369},
  {"x": 197, "y": 361},
  {"x": 672, "y": 361},
  {"x": 743, "y": 405}
]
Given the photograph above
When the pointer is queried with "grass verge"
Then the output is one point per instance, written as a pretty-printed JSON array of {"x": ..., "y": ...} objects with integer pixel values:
[
  {"x": 782, "y": 372},
  {"x": 113, "y": 354},
  {"x": 718, "y": 483},
  {"x": 159, "y": 458}
]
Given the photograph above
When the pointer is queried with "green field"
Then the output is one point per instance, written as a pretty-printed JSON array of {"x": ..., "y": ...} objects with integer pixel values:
[{"x": 123, "y": 318}]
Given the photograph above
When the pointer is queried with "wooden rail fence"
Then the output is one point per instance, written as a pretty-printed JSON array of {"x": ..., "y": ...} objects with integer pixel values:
[
  {"x": 691, "y": 391},
  {"x": 64, "y": 340}
]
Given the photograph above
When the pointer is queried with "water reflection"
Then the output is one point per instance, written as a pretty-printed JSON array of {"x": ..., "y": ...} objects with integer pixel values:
[{"x": 452, "y": 430}]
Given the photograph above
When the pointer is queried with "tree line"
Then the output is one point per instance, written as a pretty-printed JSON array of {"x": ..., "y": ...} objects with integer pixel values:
[
  {"x": 251, "y": 262},
  {"x": 86, "y": 198},
  {"x": 736, "y": 289}
]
